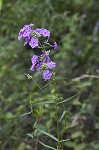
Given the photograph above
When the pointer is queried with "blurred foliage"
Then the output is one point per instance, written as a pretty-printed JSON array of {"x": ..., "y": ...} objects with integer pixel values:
[{"x": 74, "y": 24}]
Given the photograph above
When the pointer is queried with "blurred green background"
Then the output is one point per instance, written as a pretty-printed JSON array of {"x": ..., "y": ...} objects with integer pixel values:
[{"x": 74, "y": 24}]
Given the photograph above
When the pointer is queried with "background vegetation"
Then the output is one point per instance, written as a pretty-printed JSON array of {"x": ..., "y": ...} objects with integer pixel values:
[{"x": 74, "y": 24}]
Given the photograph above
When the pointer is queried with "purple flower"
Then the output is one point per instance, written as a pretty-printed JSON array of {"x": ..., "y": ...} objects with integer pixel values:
[
  {"x": 20, "y": 35},
  {"x": 25, "y": 31},
  {"x": 51, "y": 65},
  {"x": 35, "y": 59},
  {"x": 28, "y": 27},
  {"x": 27, "y": 39},
  {"x": 43, "y": 32},
  {"x": 42, "y": 64},
  {"x": 38, "y": 66},
  {"x": 39, "y": 30},
  {"x": 32, "y": 67},
  {"x": 47, "y": 74},
  {"x": 45, "y": 58},
  {"x": 34, "y": 42},
  {"x": 55, "y": 46},
  {"x": 31, "y": 25}
]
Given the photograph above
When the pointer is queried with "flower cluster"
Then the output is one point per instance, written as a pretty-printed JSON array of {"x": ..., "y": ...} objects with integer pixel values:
[{"x": 42, "y": 63}]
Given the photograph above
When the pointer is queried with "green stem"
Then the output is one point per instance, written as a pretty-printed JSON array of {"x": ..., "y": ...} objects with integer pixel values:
[
  {"x": 32, "y": 117},
  {"x": 39, "y": 87},
  {"x": 56, "y": 107},
  {"x": 55, "y": 86}
]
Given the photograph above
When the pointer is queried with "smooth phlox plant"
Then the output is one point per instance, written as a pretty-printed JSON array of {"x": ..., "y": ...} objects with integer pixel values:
[
  {"x": 34, "y": 37},
  {"x": 39, "y": 38}
]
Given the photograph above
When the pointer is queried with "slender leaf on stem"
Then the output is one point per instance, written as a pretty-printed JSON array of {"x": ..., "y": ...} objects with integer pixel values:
[
  {"x": 47, "y": 145},
  {"x": 58, "y": 78},
  {"x": 53, "y": 80},
  {"x": 39, "y": 87},
  {"x": 47, "y": 84},
  {"x": 30, "y": 135},
  {"x": 44, "y": 132},
  {"x": 26, "y": 114},
  {"x": 68, "y": 99},
  {"x": 65, "y": 140},
  {"x": 62, "y": 116},
  {"x": 43, "y": 102}
]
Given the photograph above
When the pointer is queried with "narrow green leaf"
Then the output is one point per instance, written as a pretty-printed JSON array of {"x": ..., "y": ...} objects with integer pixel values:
[
  {"x": 47, "y": 145},
  {"x": 63, "y": 114},
  {"x": 44, "y": 132},
  {"x": 65, "y": 140},
  {"x": 26, "y": 114},
  {"x": 43, "y": 102},
  {"x": 53, "y": 80},
  {"x": 68, "y": 99},
  {"x": 58, "y": 78},
  {"x": 46, "y": 84},
  {"x": 30, "y": 135}
]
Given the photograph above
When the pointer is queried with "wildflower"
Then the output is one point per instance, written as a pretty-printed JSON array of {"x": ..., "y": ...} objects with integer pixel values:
[
  {"x": 51, "y": 65},
  {"x": 33, "y": 42},
  {"x": 36, "y": 34},
  {"x": 42, "y": 64},
  {"x": 38, "y": 66},
  {"x": 44, "y": 32},
  {"x": 45, "y": 58},
  {"x": 55, "y": 46},
  {"x": 34, "y": 60},
  {"x": 27, "y": 39},
  {"x": 47, "y": 74},
  {"x": 25, "y": 33},
  {"x": 39, "y": 30},
  {"x": 32, "y": 67}
]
